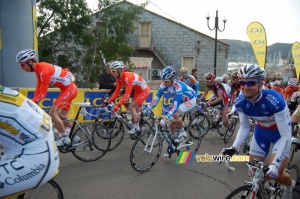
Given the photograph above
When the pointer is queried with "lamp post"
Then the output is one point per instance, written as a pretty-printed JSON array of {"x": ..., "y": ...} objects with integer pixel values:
[{"x": 216, "y": 28}]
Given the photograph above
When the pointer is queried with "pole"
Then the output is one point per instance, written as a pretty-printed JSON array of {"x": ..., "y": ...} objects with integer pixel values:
[{"x": 216, "y": 28}]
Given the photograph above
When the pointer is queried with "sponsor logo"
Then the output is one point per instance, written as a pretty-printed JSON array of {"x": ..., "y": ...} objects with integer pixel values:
[
  {"x": 6, "y": 126},
  {"x": 273, "y": 100}
]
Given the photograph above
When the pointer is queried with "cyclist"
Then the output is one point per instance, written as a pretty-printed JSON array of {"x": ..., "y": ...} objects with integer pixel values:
[
  {"x": 291, "y": 88},
  {"x": 56, "y": 76},
  {"x": 272, "y": 117},
  {"x": 189, "y": 80},
  {"x": 219, "y": 95},
  {"x": 235, "y": 87},
  {"x": 184, "y": 101},
  {"x": 132, "y": 81},
  {"x": 30, "y": 158},
  {"x": 225, "y": 85},
  {"x": 276, "y": 87}
]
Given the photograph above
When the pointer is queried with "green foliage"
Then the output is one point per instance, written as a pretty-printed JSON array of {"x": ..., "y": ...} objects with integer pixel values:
[{"x": 71, "y": 37}]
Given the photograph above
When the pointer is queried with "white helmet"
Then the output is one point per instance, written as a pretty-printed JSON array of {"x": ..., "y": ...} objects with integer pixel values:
[
  {"x": 219, "y": 79},
  {"x": 251, "y": 71},
  {"x": 117, "y": 65},
  {"x": 25, "y": 55}
]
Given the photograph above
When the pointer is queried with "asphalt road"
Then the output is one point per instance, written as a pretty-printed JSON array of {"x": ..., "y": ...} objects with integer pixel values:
[{"x": 113, "y": 177}]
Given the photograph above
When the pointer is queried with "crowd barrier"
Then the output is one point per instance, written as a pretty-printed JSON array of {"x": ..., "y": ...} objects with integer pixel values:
[{"x": 95, "y": 98}]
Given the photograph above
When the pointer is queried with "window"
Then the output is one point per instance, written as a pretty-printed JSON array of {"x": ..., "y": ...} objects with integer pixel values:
[
  {"x": 145, "y": 34},
  {"x": 188, "y": 62}
]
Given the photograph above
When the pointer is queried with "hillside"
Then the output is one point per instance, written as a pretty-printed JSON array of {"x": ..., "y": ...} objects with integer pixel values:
[{"x": 241, "y": 51}]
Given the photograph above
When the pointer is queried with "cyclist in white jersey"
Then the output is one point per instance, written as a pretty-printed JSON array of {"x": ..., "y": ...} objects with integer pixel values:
[
  {"x": 273, "y": 127},
  {"x": 30, "y": 157}
]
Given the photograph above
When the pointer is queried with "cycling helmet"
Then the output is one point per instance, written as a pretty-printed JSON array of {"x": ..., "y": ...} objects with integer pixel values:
[
  {"x": 234, "y": 75},
  {"x": 25, "y": 55},
  {"x": 277, "y": 83},
  {"x": 252, "y": 71},
  {"x": 167, "y": 73},
  {"x": 293, "y": 82},
  {"x": 117, "y": 65},
  {"x": 219, "y": 79},
  {"x": 209, "y": 76},
  {"x": 184, "y": 71}
]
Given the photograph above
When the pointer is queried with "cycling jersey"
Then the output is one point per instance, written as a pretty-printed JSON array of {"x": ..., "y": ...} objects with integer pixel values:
[
  {"x": 191, "y": 81},
  {"x": 289, "y": 90},
  {"x": 132, "y": 81},
  {"x": 216, "y": 87},
  {"x": 272, "y": 116},
  {"x": 234, "y": 92},
  {"x": 30, "y": 155},
  {"x": 56, "y": 76},
  {"x": 278, "y": 89},
  {"x": 183, "y": 93}
]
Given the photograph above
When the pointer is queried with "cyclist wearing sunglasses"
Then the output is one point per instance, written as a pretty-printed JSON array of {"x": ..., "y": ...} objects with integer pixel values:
[
  {"x": 268, "y": 108},
  {"x": 49, "y": 74},
  {"x": 218, "y": 97},
  {"x": 132, "y": 81},
  {"x": 30, "y": 158},
  {"x": 276, "y": 87},
  {"x": 184, "y": 101}
]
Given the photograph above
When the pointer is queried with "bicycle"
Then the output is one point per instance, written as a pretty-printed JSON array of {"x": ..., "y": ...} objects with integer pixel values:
[
  {"x": 295, "y": 146},
  {"x": 147, "y": 148},
  {"x": 89, "y": 141},
  {"x": 258, "y": 187},
  {"x": 211, "y": 119},
  {"x": 50, "y": 190},
  {"x": 233, "y": 119}
]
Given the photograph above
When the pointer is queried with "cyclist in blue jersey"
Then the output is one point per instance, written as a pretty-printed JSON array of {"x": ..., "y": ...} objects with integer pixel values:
[
  {"x": 273, "y": 126},
  {"x": 189, "y": 80},
  {"x": 184, "y": 101}
]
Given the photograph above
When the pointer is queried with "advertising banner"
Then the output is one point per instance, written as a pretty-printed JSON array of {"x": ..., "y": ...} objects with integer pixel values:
[
  {"x": 257, "y": 35},
  {"x": 296, "y": 57}
]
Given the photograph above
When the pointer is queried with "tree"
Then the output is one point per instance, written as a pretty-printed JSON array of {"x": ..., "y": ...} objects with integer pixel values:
[{"x": 71, "y": 37}]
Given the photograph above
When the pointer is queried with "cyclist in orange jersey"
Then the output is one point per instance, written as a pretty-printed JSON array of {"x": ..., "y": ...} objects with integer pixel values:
[
  {"x": 291, "y": 88},
  {"x": 132, "y": 81},
  {"x": 49, "y": 74},
  {"x": 276, "y": 87}
]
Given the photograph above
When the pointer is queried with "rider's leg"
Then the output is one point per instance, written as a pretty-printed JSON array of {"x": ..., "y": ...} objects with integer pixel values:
[{"x": 134, "y": 110}]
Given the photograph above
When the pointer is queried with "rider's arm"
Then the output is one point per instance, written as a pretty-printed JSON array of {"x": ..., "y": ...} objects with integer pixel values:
[
  {"x": 43, "y": 82},
  {"x": 177, "y": 102},
  {"x": 244, "y": 130},
  {"x": 218, "y": 99},
  {"x": 116, "y": 92},
  {"x": 282, "y": 119},
  {"x": 157, "y": 97}
]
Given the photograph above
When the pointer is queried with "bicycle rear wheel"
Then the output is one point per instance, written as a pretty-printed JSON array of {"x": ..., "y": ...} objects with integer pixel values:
[
  {"x": 294, "y": 171},
  {"x": 292, "y": 152},
  {"x": 92, "y": 143},
  {"x": 195, "y": 135},
  {"x": 49, "y": 190},
  {"x": 142, "y": 157},
  {"x": 243, "y": 192}
]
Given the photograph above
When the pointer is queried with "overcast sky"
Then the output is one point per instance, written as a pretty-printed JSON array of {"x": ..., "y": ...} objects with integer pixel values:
[{"x": 281, "y": 18}]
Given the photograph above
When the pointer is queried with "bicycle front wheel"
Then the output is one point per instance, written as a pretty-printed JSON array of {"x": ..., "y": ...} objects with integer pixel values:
[
  {"x": 243, "y": 192},
  {"x": 145, "y": 152},
  {"x": 88, "y": 145},
  {"x": 116, "y": 132},
  {"x": 49, "y": 190},
  {"x": 294, "y": 172},
  {"x": 230, "y": 130}
]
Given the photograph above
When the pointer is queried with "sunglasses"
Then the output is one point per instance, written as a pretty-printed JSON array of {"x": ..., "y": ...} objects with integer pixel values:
[
  {"x": 113, "y": 71},
  {"x": 249, "y": 83}
]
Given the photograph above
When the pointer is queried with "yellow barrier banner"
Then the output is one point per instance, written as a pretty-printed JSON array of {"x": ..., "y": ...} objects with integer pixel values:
[
  {"x": 257, "y": 35},
  {"x": 296, "y": 57}
]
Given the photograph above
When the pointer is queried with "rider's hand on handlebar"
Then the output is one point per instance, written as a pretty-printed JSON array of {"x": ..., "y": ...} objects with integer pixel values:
[
  {"x": 273, "y": 171},
  {"x": 116, "y": 107},
  {"x": 229, "y": 151},
  {"x": 147, "y": 111},
  {"x": 163, "y": 121}
]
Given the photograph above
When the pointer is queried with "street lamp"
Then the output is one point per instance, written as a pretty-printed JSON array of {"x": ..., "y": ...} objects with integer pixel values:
[{"x": 216, "y": 28}]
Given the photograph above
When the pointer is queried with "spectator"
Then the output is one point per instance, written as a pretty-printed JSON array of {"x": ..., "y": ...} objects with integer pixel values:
[
  {"x": 107, "y": 80},
  {"x": 225, "y": 79},
  {"x": 194, "y": 73}
]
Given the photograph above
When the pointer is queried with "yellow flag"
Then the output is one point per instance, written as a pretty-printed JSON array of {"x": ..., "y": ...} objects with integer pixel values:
[
  {"x": 257, "y": 35},
  {"x": 34, "y": 22},
  {"x": 296, "y": 57}
]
